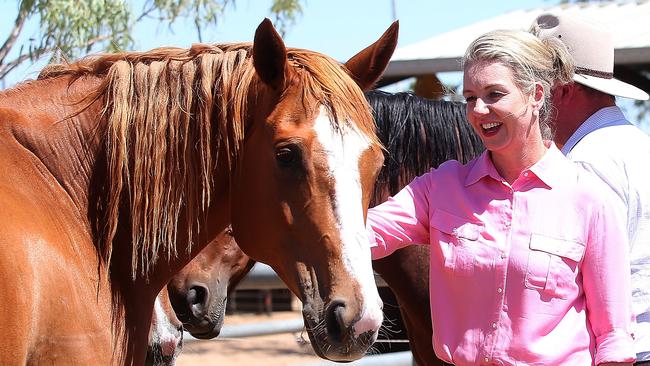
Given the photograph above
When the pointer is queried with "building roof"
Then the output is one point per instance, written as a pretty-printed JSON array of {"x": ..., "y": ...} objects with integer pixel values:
[{"x": 629, "y": 22}]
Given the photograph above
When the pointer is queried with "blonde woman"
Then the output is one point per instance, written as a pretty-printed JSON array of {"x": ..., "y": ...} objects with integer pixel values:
[{"x": 528, "y": 261}]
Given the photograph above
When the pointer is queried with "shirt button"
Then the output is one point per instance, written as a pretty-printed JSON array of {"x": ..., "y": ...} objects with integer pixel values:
[
  {"x": 494, "y": 325},
  {"x": 486, "y": 359},
  {"x": 503, "y": 255},
  {"x": 525, "y": 174},
  {"x": 499, "y": 290}
]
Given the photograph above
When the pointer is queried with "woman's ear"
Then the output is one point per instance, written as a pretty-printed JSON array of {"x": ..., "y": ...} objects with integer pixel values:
[{"x": 539, "y": 96}]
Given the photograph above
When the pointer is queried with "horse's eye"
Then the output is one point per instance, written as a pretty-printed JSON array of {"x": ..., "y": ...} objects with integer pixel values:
[{"x": 287, "y": 155}]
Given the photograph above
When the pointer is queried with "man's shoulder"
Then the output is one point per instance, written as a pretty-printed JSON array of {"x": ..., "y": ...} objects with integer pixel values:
[
  {"x": 618, "y": 155},
  {"x": 622, "y": 142}
]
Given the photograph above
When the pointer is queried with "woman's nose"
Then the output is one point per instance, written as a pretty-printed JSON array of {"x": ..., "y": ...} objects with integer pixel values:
[{"x": 480, "y": 107}]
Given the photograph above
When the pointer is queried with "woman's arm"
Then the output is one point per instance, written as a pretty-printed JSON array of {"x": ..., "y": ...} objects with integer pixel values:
[
  {"x": 606, "y": 282},
  {"x": 401, "y": 221}
]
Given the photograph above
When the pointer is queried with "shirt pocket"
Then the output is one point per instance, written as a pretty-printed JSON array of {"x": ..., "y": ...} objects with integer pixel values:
[
  {"x": 553, "y": 265},
  {"x": 458, "y": 238}
]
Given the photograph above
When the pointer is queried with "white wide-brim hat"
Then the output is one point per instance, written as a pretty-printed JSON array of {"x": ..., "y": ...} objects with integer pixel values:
[{"x": 592, "y": 48}]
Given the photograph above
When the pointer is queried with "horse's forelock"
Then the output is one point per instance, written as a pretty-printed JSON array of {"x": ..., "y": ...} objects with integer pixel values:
[{"x": 325, "y": 80}]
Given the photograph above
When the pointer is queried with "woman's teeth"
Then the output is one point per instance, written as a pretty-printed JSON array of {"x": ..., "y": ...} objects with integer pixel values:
[{"x": 487, "y": 126}]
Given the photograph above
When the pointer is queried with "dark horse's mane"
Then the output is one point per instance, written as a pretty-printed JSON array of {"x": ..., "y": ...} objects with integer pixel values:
[{"x": 420, "y": 134}]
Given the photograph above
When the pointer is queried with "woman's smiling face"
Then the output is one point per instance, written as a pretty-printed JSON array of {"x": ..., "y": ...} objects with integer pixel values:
[{"x": 499, "y": 111}]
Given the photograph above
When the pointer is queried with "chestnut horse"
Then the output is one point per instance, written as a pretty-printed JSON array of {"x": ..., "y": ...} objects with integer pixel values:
[{"x": 118, "y": 169}]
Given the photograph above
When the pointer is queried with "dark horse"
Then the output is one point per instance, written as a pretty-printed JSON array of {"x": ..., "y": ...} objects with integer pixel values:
[
  {"x": 198, "y": 293},
  {"x": 118, "y": 169},
  {"x": 198, "y": 296},
  {"x": 419, "y": 134}
]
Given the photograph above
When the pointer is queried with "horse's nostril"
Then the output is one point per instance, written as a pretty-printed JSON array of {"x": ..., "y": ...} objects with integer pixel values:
[
  {"x": 335, "y": 320},
  {"x": 197, "y": 297}
]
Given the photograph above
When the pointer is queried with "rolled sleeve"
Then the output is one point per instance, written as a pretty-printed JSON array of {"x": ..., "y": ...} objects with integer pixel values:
[{"x": 614, "y": 346}]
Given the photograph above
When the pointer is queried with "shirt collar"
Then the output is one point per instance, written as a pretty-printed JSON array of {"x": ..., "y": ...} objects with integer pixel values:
[
  {"x": 481, "y": 167},
  {"x": 604, "y": 117},
  {"x": 550, "y": 169}
]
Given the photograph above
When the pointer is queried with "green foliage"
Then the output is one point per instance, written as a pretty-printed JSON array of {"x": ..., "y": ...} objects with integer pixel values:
[
  {"x": 70, "y": 28},
  {"x": 73, "y": 26},
  {"x": 202, "y": 12},
  {"x": 285, "y": 13}
]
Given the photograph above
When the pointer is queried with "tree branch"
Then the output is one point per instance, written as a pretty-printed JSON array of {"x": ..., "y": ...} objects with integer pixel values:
[
  {"x": 145, "y": 13},
  {"x": 6, "y": 68},
  {"x": 15, "y": 32}
]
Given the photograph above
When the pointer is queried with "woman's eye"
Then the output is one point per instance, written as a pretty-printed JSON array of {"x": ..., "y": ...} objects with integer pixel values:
[
  {"x": 470, "y": 99},
  {"x": 496, "y": 95}
]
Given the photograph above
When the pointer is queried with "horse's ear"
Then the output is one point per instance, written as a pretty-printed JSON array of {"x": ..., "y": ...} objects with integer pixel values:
[
  {"x": 269, "y": 55},
  {"x": 367, "y": 66}
]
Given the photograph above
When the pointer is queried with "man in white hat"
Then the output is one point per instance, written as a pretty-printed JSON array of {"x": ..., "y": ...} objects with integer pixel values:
[{"x": 592, "y": 130}]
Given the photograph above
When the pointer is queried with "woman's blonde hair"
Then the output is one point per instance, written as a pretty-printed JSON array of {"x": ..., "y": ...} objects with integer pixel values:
[{"x": 531, "y": 59}]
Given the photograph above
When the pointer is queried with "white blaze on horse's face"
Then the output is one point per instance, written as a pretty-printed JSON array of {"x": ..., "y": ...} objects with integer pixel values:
[
  {"x": 164, "y": 333},
  {"x": 344, "y": 149}
]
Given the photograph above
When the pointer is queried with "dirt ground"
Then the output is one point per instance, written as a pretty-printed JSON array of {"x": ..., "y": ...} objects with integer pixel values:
[{"x": 269, "y": 350}]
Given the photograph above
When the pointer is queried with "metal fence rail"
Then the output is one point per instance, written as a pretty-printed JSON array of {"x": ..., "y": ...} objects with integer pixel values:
[
  {"x": 387, "y": 359},
  {"x": 256, "y": 329},
  {"x": 263, "y": 277}
]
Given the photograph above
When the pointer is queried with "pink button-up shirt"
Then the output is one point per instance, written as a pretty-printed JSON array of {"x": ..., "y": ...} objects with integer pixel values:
[{"x": 533, "y": 273}]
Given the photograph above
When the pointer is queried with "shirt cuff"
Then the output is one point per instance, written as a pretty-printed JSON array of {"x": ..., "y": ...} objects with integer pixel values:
[
  {"x": 377, "y": 243},
  {"x": 615, "y": 346}
]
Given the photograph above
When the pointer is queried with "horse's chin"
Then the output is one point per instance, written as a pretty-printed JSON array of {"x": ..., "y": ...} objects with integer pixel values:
[
  {"x": 203, "y": 334},
  {"x": 346, "y": 349},
  {"x": 210, "y": 326}
]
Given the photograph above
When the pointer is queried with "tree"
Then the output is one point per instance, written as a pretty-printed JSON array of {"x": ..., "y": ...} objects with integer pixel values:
[{"x": 69, "y": 28}]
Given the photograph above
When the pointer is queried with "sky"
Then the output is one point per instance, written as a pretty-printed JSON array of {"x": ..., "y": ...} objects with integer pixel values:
[{"x": 338, "y": 28}]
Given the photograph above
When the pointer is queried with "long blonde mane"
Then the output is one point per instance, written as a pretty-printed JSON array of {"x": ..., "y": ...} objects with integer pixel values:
[{"x": 169, "y": 112}]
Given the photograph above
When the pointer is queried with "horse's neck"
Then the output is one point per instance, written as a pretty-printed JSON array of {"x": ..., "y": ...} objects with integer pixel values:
[{"x": 66, "y": 147}]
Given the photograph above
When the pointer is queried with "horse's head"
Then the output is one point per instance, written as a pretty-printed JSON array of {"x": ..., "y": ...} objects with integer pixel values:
[
  {"x": 198, "y": 293},
  {"x": 304, "y": 180}
]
